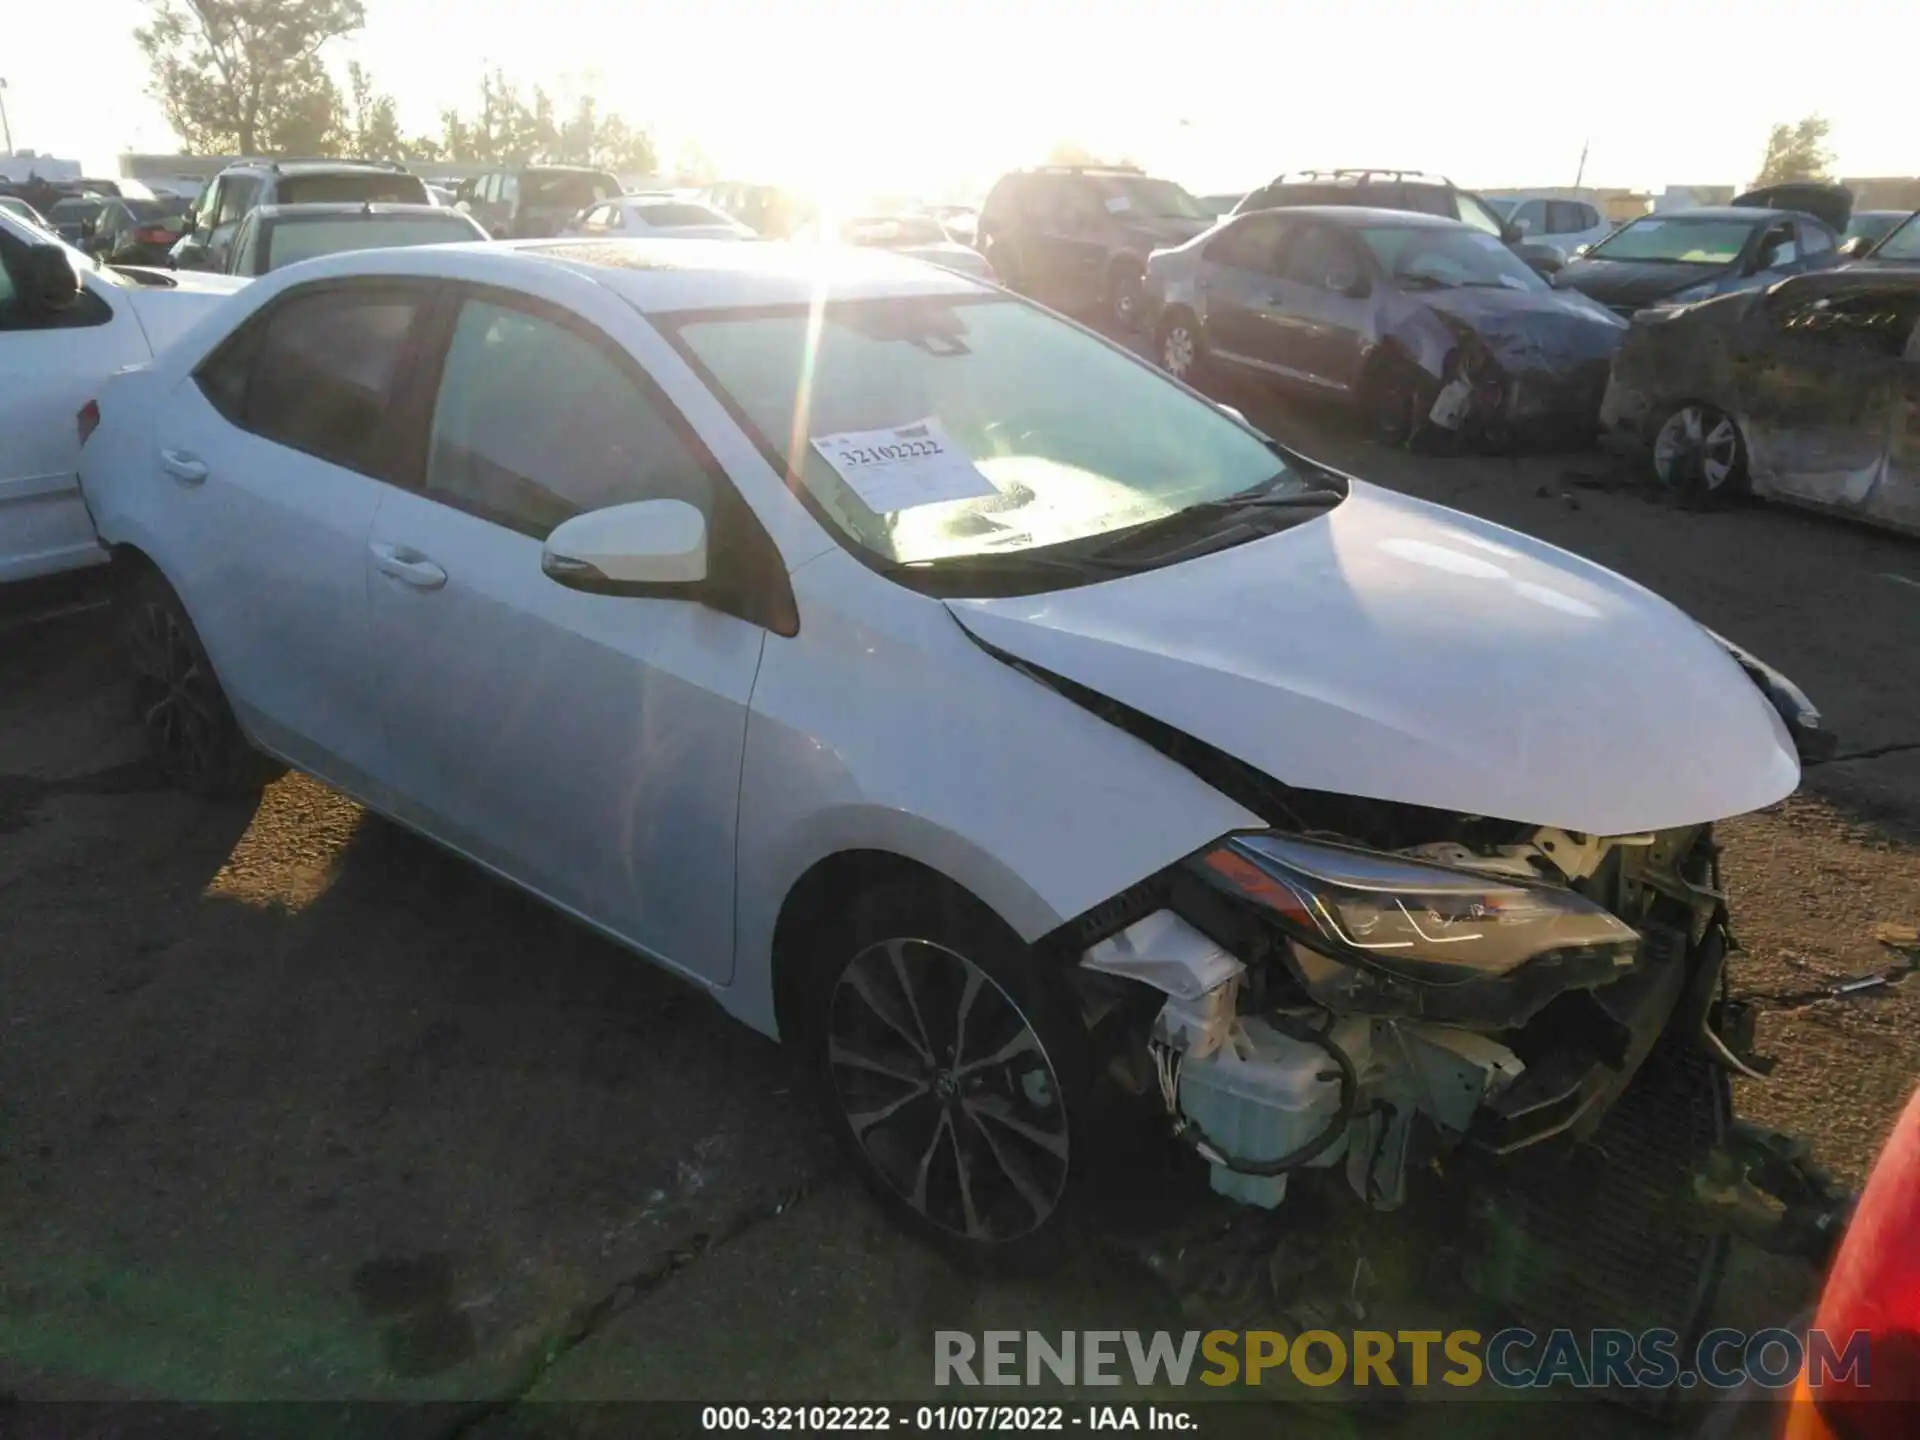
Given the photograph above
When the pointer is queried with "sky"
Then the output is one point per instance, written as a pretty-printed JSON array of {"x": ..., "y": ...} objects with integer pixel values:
[{"x": 1219, "y": 94}]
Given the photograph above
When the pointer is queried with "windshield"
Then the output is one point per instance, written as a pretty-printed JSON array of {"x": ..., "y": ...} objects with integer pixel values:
[
  {"x": 350, "y": 185},
  {"x": 568, "y": 188},
  {"x": 1423, "y": 257},
  {"x": 155, "y": 209},
  {"x": 291, "y": 240},
  {"x": 1685, "y": 240},
  {"x": 1873, "y": 225},
  {"x": 1902, "y": 244},
  {"x": 1154, "y": 199},
  {"x": 79, "y": 208},
  {"x": 1055, "y": 436}
]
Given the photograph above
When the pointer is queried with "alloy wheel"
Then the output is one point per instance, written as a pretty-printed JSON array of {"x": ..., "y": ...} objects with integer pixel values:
[
  {"x": 1697, "y": 444},
  {"x": 948, "y": 1090},
  {"x": 177, "y": 700},
  {"x": 1177, "y": 351}
]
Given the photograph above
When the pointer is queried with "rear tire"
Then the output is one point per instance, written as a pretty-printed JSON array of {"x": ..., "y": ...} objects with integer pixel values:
[
  {"x": 1126, "y": 292},
  {"x": 953, "y": 1071},
  {"x": 1181, "y": 347},
  {"x": 1699, "y": 451},
  {"x": 1004, "y": 257},
  {"x": 177, "y": 698}
]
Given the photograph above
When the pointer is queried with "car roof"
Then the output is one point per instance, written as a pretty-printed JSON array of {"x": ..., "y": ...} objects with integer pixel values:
[
  {"x": 1723, "y": 212},
  {"x": 322, "y": 209},
  {"x": 657, "y": 276},
  {"x": 309, "y": 167},
  {"x": 1354, "y": 216}
]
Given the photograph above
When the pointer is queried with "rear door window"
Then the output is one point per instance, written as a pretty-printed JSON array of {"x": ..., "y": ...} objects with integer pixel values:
[
  {"x": 237, "y": 194},
  {"x": 1250, "y": 243},
  {"x": 322, "y": 372}
]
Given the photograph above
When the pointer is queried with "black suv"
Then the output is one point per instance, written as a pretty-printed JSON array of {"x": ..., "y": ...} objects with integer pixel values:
[
  {"x": 247, "y": 183},
  {"x": 1079, "y": 236}
]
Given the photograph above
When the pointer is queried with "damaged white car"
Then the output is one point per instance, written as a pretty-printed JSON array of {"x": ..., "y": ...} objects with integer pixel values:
[{"x": 1053, "y": 757}]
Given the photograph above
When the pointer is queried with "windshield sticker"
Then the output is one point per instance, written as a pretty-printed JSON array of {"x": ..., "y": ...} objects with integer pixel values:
[
  {"x": 1119, "y": 204},
  {"x": 903, "y": 467}
]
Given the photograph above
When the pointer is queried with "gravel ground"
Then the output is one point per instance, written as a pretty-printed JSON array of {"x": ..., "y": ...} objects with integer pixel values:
[{"x": 293, "y": 1106}]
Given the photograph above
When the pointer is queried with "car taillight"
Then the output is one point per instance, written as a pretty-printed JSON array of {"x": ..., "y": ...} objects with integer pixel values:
[
  {"x": 88, "y": 420},
  {"x": 1874, "y": 1289}
]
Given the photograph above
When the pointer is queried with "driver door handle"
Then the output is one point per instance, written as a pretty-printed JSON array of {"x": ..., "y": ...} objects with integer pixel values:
[
  {"x": 183, "y": 467},
  {"x": 407, "y": 566}
]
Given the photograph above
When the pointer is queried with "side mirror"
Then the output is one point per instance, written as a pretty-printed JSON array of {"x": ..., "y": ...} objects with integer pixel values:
[
  {"x": 1856, "y": 247},
  {"x": 1512, "y": 234},
  {"x": 47, "y": 280},
  {"x": 1349, "y": 283},
  {"x": 635, "y": 549},
  {"x": 1541, "y": 258}
]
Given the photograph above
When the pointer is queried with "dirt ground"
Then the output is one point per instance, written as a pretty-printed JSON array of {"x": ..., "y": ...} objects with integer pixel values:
[{"x": 294, "y": 1107}]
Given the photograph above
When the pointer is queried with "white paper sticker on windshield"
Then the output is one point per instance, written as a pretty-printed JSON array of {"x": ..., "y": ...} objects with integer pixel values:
[
  {"x": 903, "y": 467},
  {"x": 1118, "y": 205}
]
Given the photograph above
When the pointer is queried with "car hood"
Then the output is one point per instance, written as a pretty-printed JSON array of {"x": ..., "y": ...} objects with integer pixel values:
[
  {"x": 166, "y": 312},
  {"x": 1634, "y": 282},
  {"x": 1400, "y": 651},
  {"x": 1532, "y": 329}
]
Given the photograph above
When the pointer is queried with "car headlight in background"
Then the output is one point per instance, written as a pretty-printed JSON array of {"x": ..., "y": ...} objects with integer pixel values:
[{"x": 1411, "y": 920}]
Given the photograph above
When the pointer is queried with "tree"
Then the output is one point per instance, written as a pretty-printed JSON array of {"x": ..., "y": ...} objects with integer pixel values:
[
  {"x": 373, "y": 125},
  {"x": 246, "y": 75},
  {"x": 1796, "y": 152}
]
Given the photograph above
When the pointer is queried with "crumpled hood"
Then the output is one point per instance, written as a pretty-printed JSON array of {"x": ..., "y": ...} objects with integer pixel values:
[
  {"x": 165, "y": 312},
  {"x": 1529, "y": 330},
  {"x": 1400, "y": 651},
  {"x": 1633, "y": 282}
]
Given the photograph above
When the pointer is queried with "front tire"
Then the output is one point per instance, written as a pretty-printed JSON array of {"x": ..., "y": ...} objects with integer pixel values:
[
  {"x": 952, "y": 1073},
  {"x": 177, "y": 698},
  {"x": 1393, "y": 400}
]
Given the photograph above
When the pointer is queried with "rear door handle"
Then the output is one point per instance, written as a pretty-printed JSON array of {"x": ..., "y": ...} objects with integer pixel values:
[
  {"x": 183, "y": 467},
  {"x": 409, "y": 567}
]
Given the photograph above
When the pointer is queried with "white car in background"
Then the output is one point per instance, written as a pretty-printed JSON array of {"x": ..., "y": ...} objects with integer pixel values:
[
  {"x": 656, "y": 217},
  {"x": 1566, "y": 225},
  {"x": 66, "y": 323},
  {"x": 1020, "y": 735},
  {"x": 919, "y": 237}
]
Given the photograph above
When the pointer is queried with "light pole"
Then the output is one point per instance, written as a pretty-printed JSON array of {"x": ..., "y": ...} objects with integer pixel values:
[{"x": 6, "y": 130}]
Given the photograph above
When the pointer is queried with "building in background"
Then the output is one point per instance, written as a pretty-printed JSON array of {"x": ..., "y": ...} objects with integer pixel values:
[{"x": 23, "y": 165}]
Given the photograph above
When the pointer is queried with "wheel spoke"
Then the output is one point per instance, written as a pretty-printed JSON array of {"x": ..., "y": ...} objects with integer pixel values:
[
  {"x": 865, "y": 1120},
  {"x": 1013, "y": 1170},
  {"x": 996, "y": 1110},
  {"x": 1024, "y": 1043},
  {"x": 840, "y": 1055},
  {"x": 858, "y": 980},
  {"x": 969, "y": 1212},
  {"x": 968, "y": 994},
  {"x": 925, "y": 1167}
]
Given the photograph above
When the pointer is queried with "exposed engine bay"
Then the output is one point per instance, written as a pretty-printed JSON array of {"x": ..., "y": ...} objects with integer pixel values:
[{"x": 1308, "y": 1001}]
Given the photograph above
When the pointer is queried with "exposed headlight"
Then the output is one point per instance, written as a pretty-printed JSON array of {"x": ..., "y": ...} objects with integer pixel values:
[{"x": 1411, "y": 920}]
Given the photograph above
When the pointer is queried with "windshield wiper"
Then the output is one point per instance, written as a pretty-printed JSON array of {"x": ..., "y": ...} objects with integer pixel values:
[{"x": 1248, "y": 504}]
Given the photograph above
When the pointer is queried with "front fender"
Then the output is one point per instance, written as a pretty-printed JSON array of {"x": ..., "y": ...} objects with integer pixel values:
[{"x": 882, "y": 726}]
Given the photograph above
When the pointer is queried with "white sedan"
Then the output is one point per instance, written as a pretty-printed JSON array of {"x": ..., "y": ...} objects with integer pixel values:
[
  {"x": 920, "y": 237},
  {"x": 656, "y": 217},
  {"x": 66, "y": 323},
  {"x": 949, "y": 692}
]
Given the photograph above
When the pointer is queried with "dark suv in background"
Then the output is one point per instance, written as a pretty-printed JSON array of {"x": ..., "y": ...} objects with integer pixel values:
[
  {"x": 532, "y": 201},
  {"x": 1410, "y": 190},
  {"x": 236, "y": 190},
  {"x": 1078, "y": 237}
]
